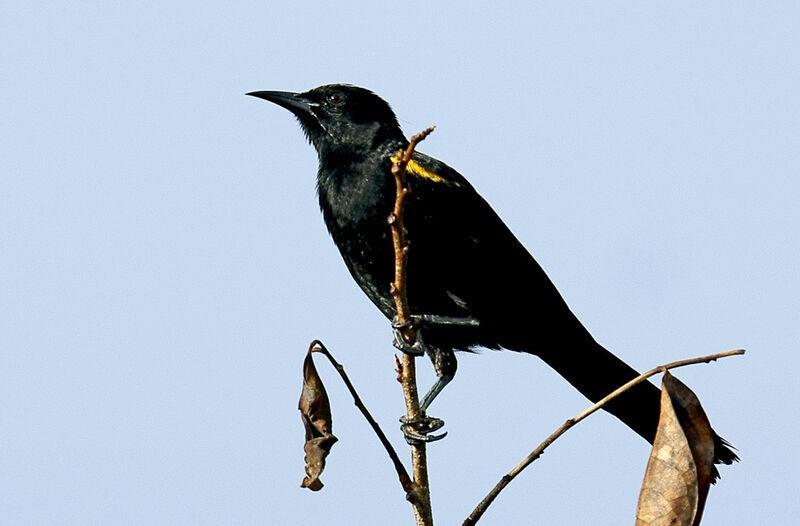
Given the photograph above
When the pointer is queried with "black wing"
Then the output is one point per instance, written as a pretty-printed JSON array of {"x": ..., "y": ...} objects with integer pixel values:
[{"x": 464, "y": 261}]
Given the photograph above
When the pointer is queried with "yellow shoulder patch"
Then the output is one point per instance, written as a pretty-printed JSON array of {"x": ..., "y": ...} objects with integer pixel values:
[{"x": 416, "y": 169}]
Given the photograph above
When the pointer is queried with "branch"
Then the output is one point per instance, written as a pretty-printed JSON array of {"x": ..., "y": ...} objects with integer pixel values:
[
  {"x": 402, "y": 474},
  {"x": 419, "y": 496},
  {"x": 536, "y": 453},
  {"x": 399, "y": 239}
]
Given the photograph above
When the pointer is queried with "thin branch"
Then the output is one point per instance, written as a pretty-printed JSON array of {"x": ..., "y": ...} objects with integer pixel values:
[
  {"x": 536, "y": 453},
  {"x": 399, "y": 239},
  {"x": 419, "y": 497},
  {"x": 402, "y": 474}
]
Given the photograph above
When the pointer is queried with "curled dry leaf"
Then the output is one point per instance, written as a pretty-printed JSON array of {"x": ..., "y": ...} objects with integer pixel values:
[
  {"x": 680, "y": 468},
  {"x": 315, "y": 411}
]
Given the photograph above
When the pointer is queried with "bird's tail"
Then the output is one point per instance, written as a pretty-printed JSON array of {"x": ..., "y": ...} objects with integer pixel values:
[{"x": 596, "y": 372}]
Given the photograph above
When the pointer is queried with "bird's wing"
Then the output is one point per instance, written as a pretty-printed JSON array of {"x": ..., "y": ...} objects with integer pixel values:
[{"x": 465, "y": 259}]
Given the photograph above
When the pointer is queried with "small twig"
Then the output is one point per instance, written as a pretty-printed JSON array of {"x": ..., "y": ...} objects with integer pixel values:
[
  {"x": 419, "y": 497},
  {"x": 536, "y": 453},
  {"x": 402, "y": 474}
]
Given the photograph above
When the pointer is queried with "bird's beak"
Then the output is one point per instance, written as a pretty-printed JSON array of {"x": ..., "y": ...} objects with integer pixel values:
[{"x": 293, "y": 102}]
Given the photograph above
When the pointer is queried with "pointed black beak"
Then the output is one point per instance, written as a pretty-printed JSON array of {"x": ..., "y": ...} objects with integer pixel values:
[{"x": 293, "y": 102}]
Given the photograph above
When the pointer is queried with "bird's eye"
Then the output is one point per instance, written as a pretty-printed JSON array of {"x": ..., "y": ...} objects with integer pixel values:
[{"x": 336, "y": 98}]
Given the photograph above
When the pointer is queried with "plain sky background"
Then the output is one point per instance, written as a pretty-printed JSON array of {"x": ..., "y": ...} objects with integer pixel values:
[{"x": 164, "y": 263}]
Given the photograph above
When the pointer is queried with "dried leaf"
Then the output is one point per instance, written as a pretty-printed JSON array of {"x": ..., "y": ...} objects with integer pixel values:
[
  {"x": 698, "y": 433},
  {"x": 680, "y": 468},
  {"x": 315, "y": 411}
]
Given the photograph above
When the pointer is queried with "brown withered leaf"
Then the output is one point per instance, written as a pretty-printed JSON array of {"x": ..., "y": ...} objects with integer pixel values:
[
  {"x": 680, "y": 468},
  {"x": 698, "y": 433},
  {"x": 315, "y": 411}
]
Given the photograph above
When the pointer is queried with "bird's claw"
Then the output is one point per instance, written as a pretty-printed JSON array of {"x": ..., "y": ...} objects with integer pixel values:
[
  {"x": 416, "y": 431},
  {"x": 418, "y": 347},
  {"x": 415, "y": 349}
]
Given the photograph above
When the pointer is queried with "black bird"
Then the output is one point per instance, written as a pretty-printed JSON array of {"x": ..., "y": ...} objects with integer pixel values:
[{"x": 464, "y": 262}]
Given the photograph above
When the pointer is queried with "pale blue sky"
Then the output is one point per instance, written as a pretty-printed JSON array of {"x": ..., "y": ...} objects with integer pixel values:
[{"x": 164, "y": 264}]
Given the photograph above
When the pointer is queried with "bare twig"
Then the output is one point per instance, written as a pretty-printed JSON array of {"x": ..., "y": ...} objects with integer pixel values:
[
  {"x": 419, "y": 497},
  {"x": 536, "y": 453},
  {"x": 402, "y": 474}
]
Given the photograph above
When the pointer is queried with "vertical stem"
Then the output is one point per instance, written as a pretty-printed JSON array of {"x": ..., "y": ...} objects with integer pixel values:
[{"x": 420, "y": 496}]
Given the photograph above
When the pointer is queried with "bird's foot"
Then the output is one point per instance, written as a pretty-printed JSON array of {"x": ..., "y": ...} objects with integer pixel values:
[
  {"x": 415, "y": 349},
  {"x": 418, "y": 347},
  {"x": 416, "y": 431}
]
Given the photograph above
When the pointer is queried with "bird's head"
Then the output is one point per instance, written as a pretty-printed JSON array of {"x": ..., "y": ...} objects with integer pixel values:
[{"x": 339, "y": 117}]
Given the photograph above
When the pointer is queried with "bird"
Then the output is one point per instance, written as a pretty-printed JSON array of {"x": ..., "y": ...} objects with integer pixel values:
[{"x": 464, "y": 263}]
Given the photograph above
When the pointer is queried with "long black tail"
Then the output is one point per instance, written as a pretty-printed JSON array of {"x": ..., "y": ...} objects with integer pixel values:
[{"x": 596, "y": 372}]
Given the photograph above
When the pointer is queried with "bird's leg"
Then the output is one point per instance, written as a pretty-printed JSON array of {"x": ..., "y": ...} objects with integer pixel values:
[
  {"x": 445, "y": 364},
  {"x": 435, "y": 319},
  {"x": 444, "y": 361},
  {"x": 415, "y": 430}
]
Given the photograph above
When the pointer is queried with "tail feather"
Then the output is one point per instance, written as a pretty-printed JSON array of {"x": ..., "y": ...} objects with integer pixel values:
[{"x": 596, "y": 372}]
